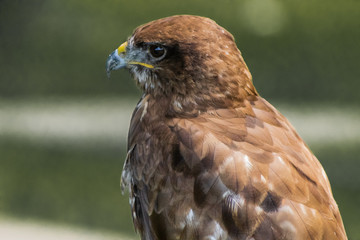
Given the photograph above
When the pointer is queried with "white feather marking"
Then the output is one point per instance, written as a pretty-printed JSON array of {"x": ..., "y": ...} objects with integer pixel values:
[
  {"x": 248, "y": 164},
  {"x": 144, "y": 111},
  {"x": 313, "y": 211},
  {"x": 258, "y": 210},
  {"x": 240, "y": 200},
  {"x": 177, "y": 105},
  {"x": 286, "y": 209},
  {"x": 190, "y": 216},
  {"x": 131, "y": 41},
  {"x": 227, "y": 161},
  {"x": 288, "y": 226},
  {"x": 226, "y": 193},
  {"x": 323, "y": 173},
  {"x": 281, "y": 160},
  {"x": 145, "y": 78},
  {"x": 217, "y": 233},
  {"x": 263, "y": 179},
  {"x": 218, "y": 229},
  {"x": 139, "y": 104},
  {"x": 142, "y": 76},
  {"x": 303, "y": 209},
  {"x": 131, "y": 201},
  {"x": 237, "y": 197},
  {"x": 210, "y": 238}
]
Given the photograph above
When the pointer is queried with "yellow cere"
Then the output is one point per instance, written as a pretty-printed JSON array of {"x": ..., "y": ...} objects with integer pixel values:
[
  {"x": 122, "y": 48},
  {"x": 142, "y": 64}
]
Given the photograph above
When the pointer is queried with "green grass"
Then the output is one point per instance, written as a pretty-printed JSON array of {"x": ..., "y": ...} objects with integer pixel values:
[
  {"x": 79, "y": 185},
  {"x": 64, "y": 184}
]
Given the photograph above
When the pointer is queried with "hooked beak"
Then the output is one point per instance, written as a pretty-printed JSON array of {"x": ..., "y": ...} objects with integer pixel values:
[
  {"x": 116, "y": 59},
  {"x": 119, "y": 59}
]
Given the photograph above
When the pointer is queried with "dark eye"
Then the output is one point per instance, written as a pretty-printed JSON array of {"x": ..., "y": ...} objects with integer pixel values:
[{"x": 157, "y": 52}]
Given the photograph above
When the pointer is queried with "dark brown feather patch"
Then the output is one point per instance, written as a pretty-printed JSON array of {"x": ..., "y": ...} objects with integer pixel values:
[{"x": 271, "y": 202}]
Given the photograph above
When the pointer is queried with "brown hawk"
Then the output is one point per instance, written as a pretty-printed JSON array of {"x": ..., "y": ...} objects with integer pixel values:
[{"x": 208, "y": 158}]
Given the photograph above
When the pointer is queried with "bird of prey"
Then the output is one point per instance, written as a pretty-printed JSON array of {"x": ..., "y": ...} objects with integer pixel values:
[{"x": 208, "y": 158}]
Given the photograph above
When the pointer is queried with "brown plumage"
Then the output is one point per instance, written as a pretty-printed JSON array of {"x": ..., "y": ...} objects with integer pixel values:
[{"x": 208, "y": 158}]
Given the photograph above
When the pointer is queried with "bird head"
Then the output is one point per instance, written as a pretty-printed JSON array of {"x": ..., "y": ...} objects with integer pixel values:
[{"x": 184, "y": 56}]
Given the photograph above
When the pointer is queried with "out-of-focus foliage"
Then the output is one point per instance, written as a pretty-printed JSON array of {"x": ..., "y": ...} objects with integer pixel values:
[
  {"x": 56, "y": 49},
  {"x": 296, "y": 50}
]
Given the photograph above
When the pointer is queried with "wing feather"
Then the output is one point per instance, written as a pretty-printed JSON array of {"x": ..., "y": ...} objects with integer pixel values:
[{"x": 247, "y": 154}]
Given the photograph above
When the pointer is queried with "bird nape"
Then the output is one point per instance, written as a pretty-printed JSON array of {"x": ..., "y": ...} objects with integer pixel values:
[{"x": 208, "y": 158}]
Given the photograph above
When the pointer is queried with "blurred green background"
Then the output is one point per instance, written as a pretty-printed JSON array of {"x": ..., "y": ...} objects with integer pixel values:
[{"x": 63, "y": 124}]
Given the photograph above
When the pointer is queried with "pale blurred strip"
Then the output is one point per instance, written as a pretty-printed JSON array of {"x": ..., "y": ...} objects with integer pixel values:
[
  {"x": 29, "y": 230},
  {"x": 57, "y": 121},
  {"x": 104, "y": 122}
]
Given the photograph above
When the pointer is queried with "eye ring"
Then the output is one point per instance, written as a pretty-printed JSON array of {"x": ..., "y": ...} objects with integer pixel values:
[{"x": 157, "y": 52}]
